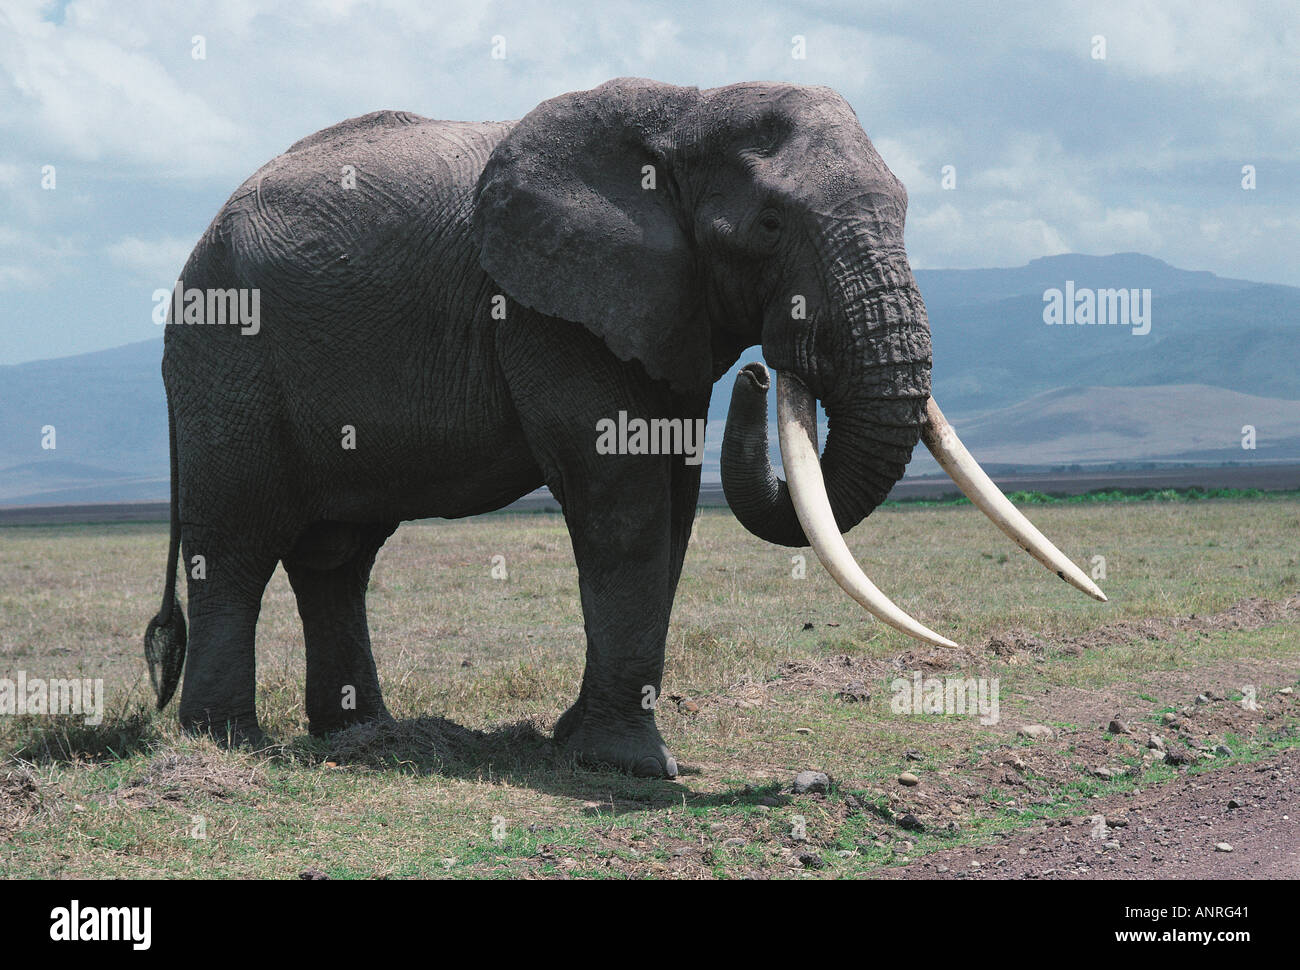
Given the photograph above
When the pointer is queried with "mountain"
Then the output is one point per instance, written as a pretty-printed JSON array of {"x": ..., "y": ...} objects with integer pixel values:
[
  {"x": 1220, "y": 354},
  {"x": 109, "y": 415},
  {"x": 993, "y": 351},
  {"x": 1173, "y": 423},
  {"x": 964, "y": 287},
  {"x": 992, "y": 348}
]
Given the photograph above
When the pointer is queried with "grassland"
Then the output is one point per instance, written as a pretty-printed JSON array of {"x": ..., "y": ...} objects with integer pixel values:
[{"x": 768, "y": 674}]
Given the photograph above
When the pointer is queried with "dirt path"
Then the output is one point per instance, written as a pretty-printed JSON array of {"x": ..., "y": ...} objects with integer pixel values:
[{"x": 1173, "y": 831}]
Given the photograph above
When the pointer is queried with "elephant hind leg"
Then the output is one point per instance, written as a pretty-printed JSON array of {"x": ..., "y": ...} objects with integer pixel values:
[
  {"x": 226, "y": 576},
  {"x": 329, "y": 569}
]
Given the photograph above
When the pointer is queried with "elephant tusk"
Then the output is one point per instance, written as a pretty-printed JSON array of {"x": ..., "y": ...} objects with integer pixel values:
[
  {"x": 797, "y": 424},
  {"x": 952, "y": 455}
]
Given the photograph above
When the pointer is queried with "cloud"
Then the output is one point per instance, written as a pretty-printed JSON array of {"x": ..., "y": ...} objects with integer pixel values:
[
  {"x": 157, "y": 261},
  {"x": 1053, "y": 150},
  {"x": 105, "y": 97},
  {"x": 31, "y": 261}
]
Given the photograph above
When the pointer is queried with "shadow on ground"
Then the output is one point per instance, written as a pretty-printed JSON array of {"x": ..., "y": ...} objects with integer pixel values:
[
  {"x": 67, "y": 740},
  {"x": 518, "y": 754}
]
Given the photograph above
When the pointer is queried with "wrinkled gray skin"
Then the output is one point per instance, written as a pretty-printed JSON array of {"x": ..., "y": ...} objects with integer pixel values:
[{"x": 376, "y": 312}]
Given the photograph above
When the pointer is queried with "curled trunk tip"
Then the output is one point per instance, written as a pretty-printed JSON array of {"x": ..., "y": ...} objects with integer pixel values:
[{"x": 758, "y": 498}]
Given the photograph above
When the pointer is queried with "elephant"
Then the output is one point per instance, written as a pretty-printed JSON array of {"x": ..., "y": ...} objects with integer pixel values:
[{"x": 446, "y": 313}]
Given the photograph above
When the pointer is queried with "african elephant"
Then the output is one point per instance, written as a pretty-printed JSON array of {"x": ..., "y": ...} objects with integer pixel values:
[{"x": 447, "y": 311}]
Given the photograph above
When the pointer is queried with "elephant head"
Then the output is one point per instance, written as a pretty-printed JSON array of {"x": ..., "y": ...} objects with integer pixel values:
[{"x": 682, "y": 226}]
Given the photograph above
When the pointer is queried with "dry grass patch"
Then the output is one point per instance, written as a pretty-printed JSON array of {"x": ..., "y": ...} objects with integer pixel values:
[{"x": 770, "y": 671}]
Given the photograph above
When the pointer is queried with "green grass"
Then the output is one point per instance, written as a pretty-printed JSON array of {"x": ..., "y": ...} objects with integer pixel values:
[{"x": 476, "y": 670}]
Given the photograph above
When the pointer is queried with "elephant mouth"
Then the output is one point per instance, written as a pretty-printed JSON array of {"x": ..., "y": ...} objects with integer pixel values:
[{"x": 797, "y": 428}]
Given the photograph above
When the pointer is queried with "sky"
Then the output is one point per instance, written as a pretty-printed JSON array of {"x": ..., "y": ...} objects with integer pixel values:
[{"x": 1051, "y": 148}]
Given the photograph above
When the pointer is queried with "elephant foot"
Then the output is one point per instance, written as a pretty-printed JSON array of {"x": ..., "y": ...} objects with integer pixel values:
[
  {"x": 342, "y": 720},
  {"x": 630, "y": 745},
  {"x": 236, "y": 731},
  {"x": 570, "y": 720}
]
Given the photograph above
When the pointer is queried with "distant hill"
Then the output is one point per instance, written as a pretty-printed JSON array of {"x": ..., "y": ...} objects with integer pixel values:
[
  {"x": 109, "y": 413},
  {"x": 1220, "y": 353},
  {"x": 964, "y": 287},
  {"x": 1175, "y": 423},
  {"x": 992, "y": 348}
]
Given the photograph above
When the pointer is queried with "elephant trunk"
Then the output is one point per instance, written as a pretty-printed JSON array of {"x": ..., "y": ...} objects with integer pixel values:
[
  {"x": 758, "y": 498},
  {"x": 874, "y": 394},
  {"x": 877, "y": 409},
  {"x": 867, "y": 449}
]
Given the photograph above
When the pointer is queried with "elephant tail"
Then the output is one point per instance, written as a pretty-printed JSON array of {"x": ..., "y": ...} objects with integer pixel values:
[{"x": 164, "y": 638}]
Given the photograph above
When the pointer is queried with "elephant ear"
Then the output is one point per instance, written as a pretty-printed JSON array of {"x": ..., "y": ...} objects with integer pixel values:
[{"x": 566, "y": 227}]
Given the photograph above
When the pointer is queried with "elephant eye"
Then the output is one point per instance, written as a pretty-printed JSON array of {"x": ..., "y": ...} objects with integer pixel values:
[{"x": 770, "y": 221}]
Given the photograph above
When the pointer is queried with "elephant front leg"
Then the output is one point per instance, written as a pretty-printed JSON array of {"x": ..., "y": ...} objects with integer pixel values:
[
  {"x": 629, "y": 516},
  {"x": 622, "y": 528}
]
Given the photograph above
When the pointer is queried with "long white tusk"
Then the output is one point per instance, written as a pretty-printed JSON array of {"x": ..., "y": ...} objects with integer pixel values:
[
  {"x": 796, "y": 416},
  {"x": 952, "y": 455}
]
